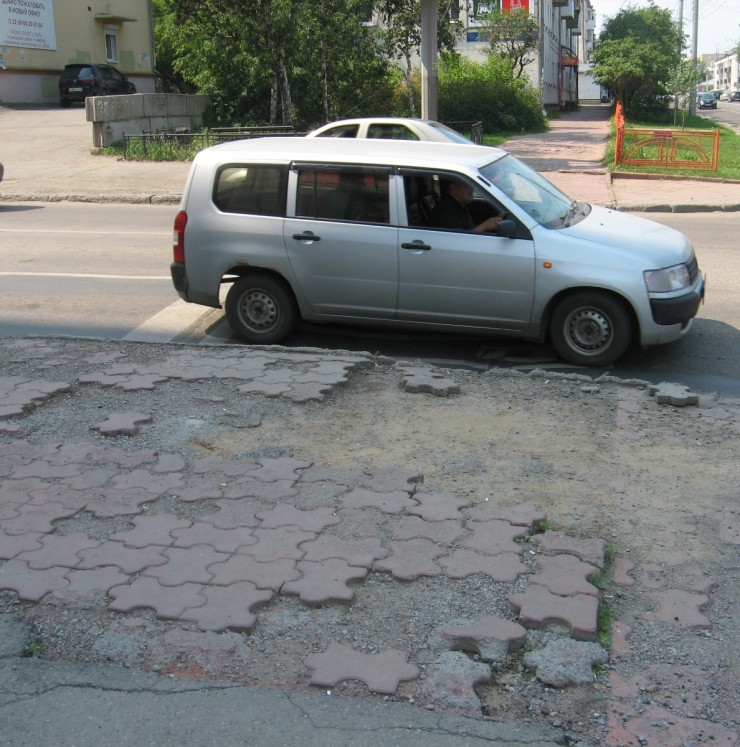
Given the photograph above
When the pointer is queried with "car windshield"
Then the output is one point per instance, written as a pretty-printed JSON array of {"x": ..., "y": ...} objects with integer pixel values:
[
  {"x": 541, "y": 200},
  {"x": 451, "y": 134}
]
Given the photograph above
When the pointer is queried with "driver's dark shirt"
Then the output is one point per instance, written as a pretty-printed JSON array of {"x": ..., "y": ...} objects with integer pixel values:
[{"x": 449, "y": 213}]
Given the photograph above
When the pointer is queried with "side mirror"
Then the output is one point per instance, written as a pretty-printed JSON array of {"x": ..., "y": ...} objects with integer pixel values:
[{"x": 507, "y": 229}]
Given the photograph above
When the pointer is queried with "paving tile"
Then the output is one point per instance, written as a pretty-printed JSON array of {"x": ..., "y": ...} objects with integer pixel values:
[
  {"x": 32, "y": 518},
  {"x": 58, "y": 493},
  {"x": 380, "y": 672},
  {"x": 186, "y": 565},
  {"x": 565, "y": 575},
  {"x": 234, "y": 514},
  {"x": 12, "y": 545},
  {"x": 274, "y": 544},
  {"x": 268, "y": 575},
  {"x": 361, "y": 552},
  {"x": 325, "y": 581},
  {"x": 677, "y": 395},
  {"x": 282, "y": 468},
  {"x": 622, "y": 568},
  {"x": 58, "y": 550},
  {"x": 151, "y": 530},
  {"x": 313, "y": 520},
  {"x": 86, "y": 585},
  {"x": 168, "y": 602},
  {"x": 441, "y": 532},
  {"x": 111, "y": 502},
  {"x": 682, "y": 607},
  {"x": 438, "y": 506},
  {"x": 169, "y": 463},
  {"x": 223, "y": 468},
  {"x": 539, "y": 607},
  {"x": 564, "y": 662},
  {"x": 45, "y": 470},
  {"x": 524, "y": 515},
  {"x": 391, "y": 503},
  {"x": 260, "y": 387},
  {"x": 410, "y": 559},
  {"x": 619, "y": 632},
  {"x": 31, "y": 586},
  {"x": 199, "y": 489},
  {"x": 249, "y": 488},
  {"x": 154, "y": 484},
  {"x": 588, "y": 550},
  {"x": 488, "y": 636},
  {"x": 494, "y": 537},
  {"x": 228, "y": 607},
  {"x": 128, "y": 559},
  {"x": 122, "y": 423},
  {"x": 503, "y": 567},
  {"x": 452, "y": 679},
  {"x": 424, "y": 379},
  {"x": 204, "y": 533}
]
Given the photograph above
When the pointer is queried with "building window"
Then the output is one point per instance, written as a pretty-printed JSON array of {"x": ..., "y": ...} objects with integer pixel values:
[
  {"x": 479, "y": 10},
  {"x": 111, "y": 43}
]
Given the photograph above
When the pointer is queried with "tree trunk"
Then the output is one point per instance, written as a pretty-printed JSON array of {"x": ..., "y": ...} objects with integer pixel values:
[
  {"x": 409, "y": 87},
  {"x": 284, "y": 84}
]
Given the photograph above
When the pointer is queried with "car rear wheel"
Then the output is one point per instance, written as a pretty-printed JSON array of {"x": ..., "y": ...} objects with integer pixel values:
[
  {"x": 261, "y": 309},
  {"x": 590, "y": 329}
]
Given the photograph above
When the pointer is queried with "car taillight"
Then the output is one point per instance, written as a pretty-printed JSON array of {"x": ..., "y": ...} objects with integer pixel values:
[{"x": 178, "y": 237}]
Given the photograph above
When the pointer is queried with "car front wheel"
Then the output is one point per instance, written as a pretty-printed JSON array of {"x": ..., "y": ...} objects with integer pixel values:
[
  {"x": 590, "y": 329},
  {"x": 261, "y": 309}
]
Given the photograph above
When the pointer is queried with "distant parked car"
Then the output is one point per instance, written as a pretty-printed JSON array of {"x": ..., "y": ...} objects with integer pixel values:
[
  {"x": 1, "y": 172},
  {"x": 706, "y": 101},
  {"x": 78, "y": 81},
  {"x": 735, "y": 96},
  {"x": 391, "y": 128}
]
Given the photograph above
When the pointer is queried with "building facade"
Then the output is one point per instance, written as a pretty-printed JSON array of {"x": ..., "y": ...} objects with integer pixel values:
[
  {"x": 725, "y": 73},
  {"x": 39, "y": 37}
]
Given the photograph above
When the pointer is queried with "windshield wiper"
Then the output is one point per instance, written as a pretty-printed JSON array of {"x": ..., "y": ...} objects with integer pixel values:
[{"x": 570, "y": 213}]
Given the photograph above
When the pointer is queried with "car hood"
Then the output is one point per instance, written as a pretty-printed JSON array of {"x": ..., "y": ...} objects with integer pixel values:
[{"x": 633, "y": 236}]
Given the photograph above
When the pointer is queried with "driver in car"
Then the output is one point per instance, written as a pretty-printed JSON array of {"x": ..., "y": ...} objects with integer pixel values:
[{"x": 452, "y": 209}]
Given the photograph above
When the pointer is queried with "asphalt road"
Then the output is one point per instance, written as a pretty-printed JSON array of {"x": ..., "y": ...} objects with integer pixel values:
[{"x": 102, "y": 271}]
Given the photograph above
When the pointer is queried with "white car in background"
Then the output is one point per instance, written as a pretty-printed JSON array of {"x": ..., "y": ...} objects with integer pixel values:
[{"x": 391, "y": 128}]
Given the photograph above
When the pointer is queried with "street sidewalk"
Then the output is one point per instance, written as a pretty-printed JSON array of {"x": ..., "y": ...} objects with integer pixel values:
[{"x": 46, "y": 153}]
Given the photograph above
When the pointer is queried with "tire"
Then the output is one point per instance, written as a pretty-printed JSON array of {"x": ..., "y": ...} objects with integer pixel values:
[
  {"x": 590, "y": 328},
  {"x": 66, "y": 103},
  {"x": 261, "y": 309}
]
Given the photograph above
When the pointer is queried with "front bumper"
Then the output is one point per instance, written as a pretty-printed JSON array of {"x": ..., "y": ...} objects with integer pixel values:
[{"x": 678, "y": 309}]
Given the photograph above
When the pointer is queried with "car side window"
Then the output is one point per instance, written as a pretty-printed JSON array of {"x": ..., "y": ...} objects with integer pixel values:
[
  {"x": 341, "y": 131},
  {"x": 391, "y": 132},
  {"x": 251, "y": 189},
  {"x": 353, "y": 194}
]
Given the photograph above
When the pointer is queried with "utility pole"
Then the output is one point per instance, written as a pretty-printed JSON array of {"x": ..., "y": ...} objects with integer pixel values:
[
  {"x": 429, "y": 58},
  {"x": 694, "y": 56}
]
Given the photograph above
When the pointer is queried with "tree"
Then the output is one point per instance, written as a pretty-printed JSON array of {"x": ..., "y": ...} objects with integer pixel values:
[
  {"x": 401, "y": 36},
  {"x": 514, "y": 36},
  {"x": 636, "y": 50},
  {"x": 682, "y": 80}
]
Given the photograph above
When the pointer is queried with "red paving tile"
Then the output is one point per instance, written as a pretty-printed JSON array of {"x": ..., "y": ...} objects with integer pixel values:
[
  {"x": 151, "y": 530},
  {"x": 128, "y": 559},
  {"x": 588, "y": 550},
  {"x": 11, "y": 545},
  {"x": 361, "y": 552},
  {"x": 489, "y": 636},
  {"x": 223, "y": 540},
  {"x": 87, "y": 585},
  {"x": 264, "y": 575},
  {"x": 324, "y": 581},
  {"x": 186, "y": 565},
  {"x": 504, "y": 567},
  {"x": 276, "y": 544},
  {"x": 410, "y": 559},
  {"x": 122, "y": 423},
  {"x": 58, "y": 550},
  {"x": 525, "y": 515},
  {"x": 228, "y": 607},
  {"x": 32, "y": 518},
  {"x": 393, "y": 502},
  {"x": 565, "y": 575},
  {"x": 30, "y": 585},
  {"x": 314, "y": 520},
  {"x": 494, "y": 537},
  {"x": 441, "y": 532},
  {"x": 438, "y": 506},
  {"x": 380, "y": 672},
  {"x": 169, "y": 602},
  {"x": 538, "y": 608},
  {"x": 682, "y": 607}
]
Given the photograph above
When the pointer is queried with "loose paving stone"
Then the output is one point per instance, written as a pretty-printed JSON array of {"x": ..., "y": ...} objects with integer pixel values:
[
  {"x": 503, "y": 567},
  {"x": 565, "y": 575},
  {"x": 390, "y": 503},
  {"x": 453, "y": 679},
  {"x": 122, "y": 423},
  {"x": 325, "y": 581},
  {"x": 380, "y": 672},
  {"x": 30, "y": 585},
  {"x": 358, "y": 553},
  {"x": 128, "y": 559},
  {"x": 441, "y": 532},
  {"x": 228, "y": 607},
  {"x": 410, "y": 559},
  {"x": 539, "y": 607},
  {"x": 488, "y": 636},
  {"x": 276, "y": 544},
  {"x": 168, "y": 602},
  {"x": 18, "y": 394},
  {"x": 620, "y": 631},
  {"x": 438, "y": 506},
  {"x": 621, "y": 571},
  {"x": 681, "y": 607},
  {"x": 186, "y": 565},
  {"x": 495, "y": 537},
  {"x": 423, "y": 379},
  {"x": 151, "y": 530},
  {"x": 524, "y": 515},
  {"x": 588, "y": 550},
  {"x": 677, "y": 395},
  {"x": 565, "y": 662},
  {"x": 313, "y": 520},
  {"x": 58, "y": 550},
  {"x": 268, "y": 575},
  {"x": 204, "y": 533}
]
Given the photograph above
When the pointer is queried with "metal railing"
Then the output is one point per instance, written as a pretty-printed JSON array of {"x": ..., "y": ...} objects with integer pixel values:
[{"x": 472, "y": 130}]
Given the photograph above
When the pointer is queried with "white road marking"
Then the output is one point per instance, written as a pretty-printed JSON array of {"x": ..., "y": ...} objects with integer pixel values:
[
  {"x": 83, "y": 275},
  {"x": 168, "y": 323}
]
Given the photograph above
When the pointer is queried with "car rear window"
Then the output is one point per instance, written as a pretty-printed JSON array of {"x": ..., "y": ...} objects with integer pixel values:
[{"x": 251, "y": 189}]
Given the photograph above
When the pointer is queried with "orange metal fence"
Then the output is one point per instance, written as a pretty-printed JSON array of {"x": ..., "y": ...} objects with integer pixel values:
[{"x": 684, "y": 149}]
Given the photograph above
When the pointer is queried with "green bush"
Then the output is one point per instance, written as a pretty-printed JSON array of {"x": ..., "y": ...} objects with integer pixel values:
[{"x": 489, "y": 93}]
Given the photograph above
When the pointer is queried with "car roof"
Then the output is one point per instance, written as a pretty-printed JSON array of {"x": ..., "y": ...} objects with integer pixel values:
[
  {"x": 382, "y": 120},
  {"x": 408, "y": 153}
]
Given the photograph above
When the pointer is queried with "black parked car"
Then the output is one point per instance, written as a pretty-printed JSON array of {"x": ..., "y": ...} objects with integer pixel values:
[
  {"x": 706, "y": 101},
  {"x": 79, "y": 81},
  {"x": 735, "y": 96}
]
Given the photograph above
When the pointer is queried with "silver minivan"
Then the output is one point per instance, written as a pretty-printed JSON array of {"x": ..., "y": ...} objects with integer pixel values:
[{"x": 457, "y": 238}]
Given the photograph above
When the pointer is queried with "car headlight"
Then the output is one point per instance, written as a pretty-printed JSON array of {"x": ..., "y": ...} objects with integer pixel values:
[{"x": 668, "y": 279}]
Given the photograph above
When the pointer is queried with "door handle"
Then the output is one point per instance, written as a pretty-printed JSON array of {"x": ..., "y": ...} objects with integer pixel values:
[
  {"x": 306, "y": 236},
  {"x": 418, "y": 244}
]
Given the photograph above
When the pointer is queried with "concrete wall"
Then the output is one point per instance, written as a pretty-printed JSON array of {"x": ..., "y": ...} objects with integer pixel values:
[{"x": 113, "y": 117}]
